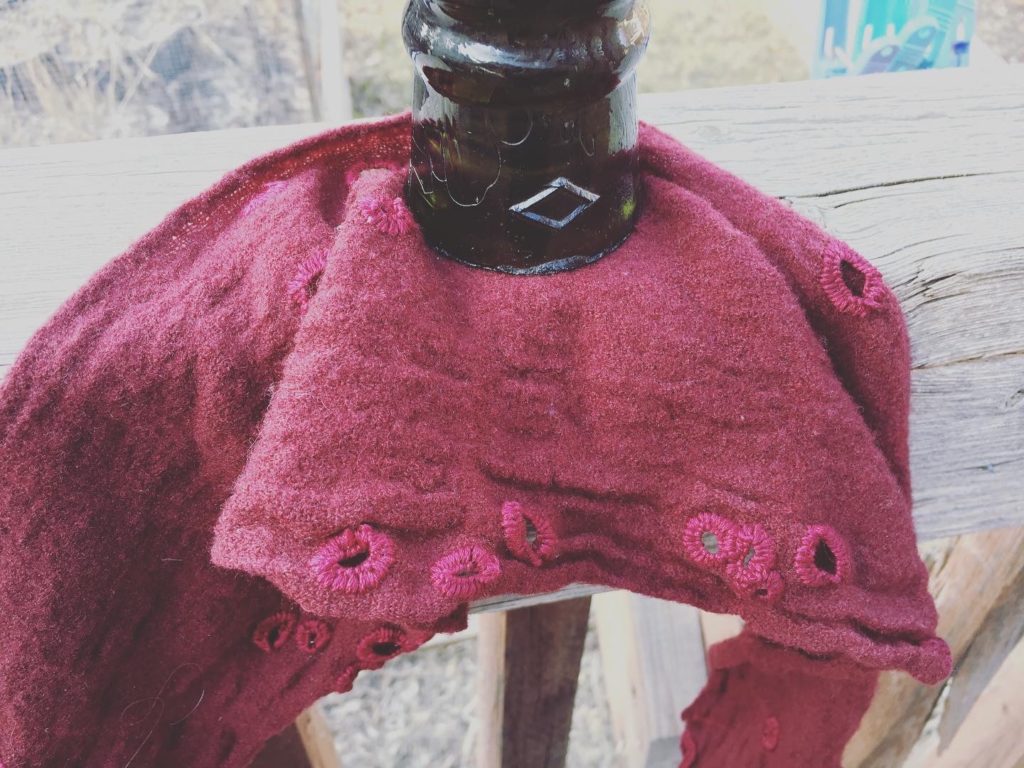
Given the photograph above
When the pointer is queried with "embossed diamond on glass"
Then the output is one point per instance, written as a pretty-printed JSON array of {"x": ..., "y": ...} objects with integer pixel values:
[{"x": 557, "y": 204}]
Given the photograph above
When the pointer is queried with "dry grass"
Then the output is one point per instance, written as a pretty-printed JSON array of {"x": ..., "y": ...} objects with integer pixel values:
[
  {"x": 72, "y": 71},
  {"x": 695, "y": 44}
]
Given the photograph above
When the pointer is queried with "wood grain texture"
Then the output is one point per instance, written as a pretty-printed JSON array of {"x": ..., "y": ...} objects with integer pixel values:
[
  {"x": 922, "y": 172},
  {"x": 652, "y": 656},
  {"x": 991, "y": 735},
  {"x": 969, "y": 581},
  {"x": 997, "y": 637},
  {"x": 529, "y": 664},
  {"x": 315, "y": 735}
]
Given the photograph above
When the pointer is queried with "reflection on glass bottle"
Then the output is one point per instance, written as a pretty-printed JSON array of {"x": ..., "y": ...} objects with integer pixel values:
[{"x": 524, "y": 141}]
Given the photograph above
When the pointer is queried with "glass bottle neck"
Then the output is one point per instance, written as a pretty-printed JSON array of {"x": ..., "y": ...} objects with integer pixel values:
[{"x": 524, "y": 140}]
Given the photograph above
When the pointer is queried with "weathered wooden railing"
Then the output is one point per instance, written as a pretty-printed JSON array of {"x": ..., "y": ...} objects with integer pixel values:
[{"x": 922, "y": 172}]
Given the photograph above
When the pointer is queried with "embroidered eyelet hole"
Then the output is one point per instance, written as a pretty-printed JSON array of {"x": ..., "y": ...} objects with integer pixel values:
[
  {"x": 390, "y": 216},
  {"x": 529, "y": 536},
  {"x": 710, "y": 539},
  {"x": 823, "y": 557},
  {"x": 353, "y": 561},
  {"x": 851, "y": 283},
  {"x": 770, "y": 734},
  {"x": 382, "y": 645},
  {"x": 312, "y": 635},
  {"x": 273, "y": 632},
  {"x": 531, "y": 533},
  {"x": 755, "y": 553},
  {"x": 853, "y": 278},
  {"x": 303, "y": 285},
  {"x": 463, "y": 572},
  {"x": 769, "y": 589}
]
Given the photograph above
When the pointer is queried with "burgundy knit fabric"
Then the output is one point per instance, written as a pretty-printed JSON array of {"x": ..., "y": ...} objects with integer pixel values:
[{"x": 280, "y": 441}]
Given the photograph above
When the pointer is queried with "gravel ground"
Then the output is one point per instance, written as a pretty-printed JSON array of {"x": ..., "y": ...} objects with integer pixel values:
[
  {"x": 419, "y": 712},
  {"x": 1001, "y": 25}
]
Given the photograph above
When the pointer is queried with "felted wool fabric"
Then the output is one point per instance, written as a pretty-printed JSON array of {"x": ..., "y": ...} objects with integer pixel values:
[{"x": 280, "y": 441}]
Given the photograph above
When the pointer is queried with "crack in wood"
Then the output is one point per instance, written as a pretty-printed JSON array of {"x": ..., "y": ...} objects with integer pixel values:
[{"x": 901, "y": 183}]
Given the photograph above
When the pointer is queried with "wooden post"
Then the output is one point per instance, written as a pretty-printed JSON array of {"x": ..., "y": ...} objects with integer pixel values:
[
  {"x": 529, "y": 664},
  {"x": 315, "y": 736},
  {"x": 652, "y": 654}
]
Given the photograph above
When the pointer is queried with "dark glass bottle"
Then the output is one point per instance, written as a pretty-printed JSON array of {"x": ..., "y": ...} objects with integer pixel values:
[{"x": 524, "y": 139}]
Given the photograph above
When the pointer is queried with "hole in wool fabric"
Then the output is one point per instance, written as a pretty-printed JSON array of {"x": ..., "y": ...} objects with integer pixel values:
[
  {"x": 751, "y": 573},
  {"x": 531, "y": 533},
  {"x": 850, "y": 282},
  {"x": 823, "y": 557},
  {"x": 770, "y": 589},
  {"x": 529, "y": 536},
  {"x": 312, "y": 635},
  {"x": 353, "y": 561},
  {"x": 381, "y": 645},
  {"x": 710, "y": 540},
  {"x": 463, "y": 572},
  {"x": 389, "y": 216},
  {"x": 853, "y": 277},
  {"x": 274, "y": 631},
  {"x": 303, "y": 285}
]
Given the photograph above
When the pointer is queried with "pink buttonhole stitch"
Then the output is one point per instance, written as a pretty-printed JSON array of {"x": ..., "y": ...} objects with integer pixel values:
[
  {"x": 303, "y": 284},
  {"x": 462, "y": 572},
  {"x": 312, "y": 634},
  {"x": 529, "y": 536},
  {"x": 343, "y": 683},
  {"x": 389, "y": 215},
  {"x": 273, "y": 632},
  {"x": 382, "y": 645},
  {"x": 709, "y": 539},
  {"x": 823, "y": 557},
  {"x": 754, "y": 557},
  {"x": 851, "y": 283},
  {"x": 353, "y": 561}
]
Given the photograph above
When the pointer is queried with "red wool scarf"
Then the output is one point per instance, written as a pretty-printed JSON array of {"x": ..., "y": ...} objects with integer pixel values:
[{"x": 280, "y": 442}]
